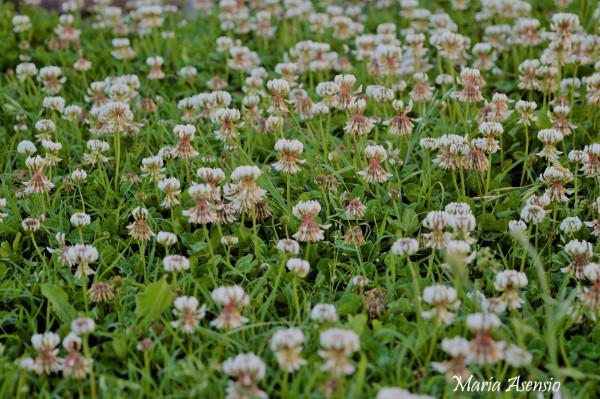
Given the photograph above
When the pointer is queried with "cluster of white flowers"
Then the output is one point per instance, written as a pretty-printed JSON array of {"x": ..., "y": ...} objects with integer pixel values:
[{"x": 311, "y": 147}]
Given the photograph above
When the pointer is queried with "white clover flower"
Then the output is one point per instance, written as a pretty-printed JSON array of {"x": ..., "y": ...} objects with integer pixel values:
[
  {"x": 155, "y": 61},
  {"x": 245, "y": 173},
  {"x": 188, "y": 314},
  {"x": 458, "y": 208},
  {"x": 298, "y": 267},
  {"x": 309, "y": 230},
  {"x": 166, "y": 238},
  {"x": 429, "y": 143},
  {"x": 232, "y": 299},
  {"x": 533, "y": 214},
  {"x": 72, "y": 342},
  {"x": 31, "y": 224},
  {"x": 52, "y": 79},
  {"x": 54, "y": 103},
  {"x": 508, "y": 282},
  {"x": 83, "y": 326},
  {"x": 580, "y": 253},
  {"x": 21, "y": 23},
  {"x": 324, "y": 313},
  {"x": 517, "y": 228},
  {"x": 398, "y": 393},
  {"x": 442, "y": 299},
  {"x": 46, "y": 340},
  {"x": 287, "y": 345},
  {"x": 405, "y": 247},
  {"x": 516, "y": 356},
  {"x": 187, "y": 72},
  {"x": 571, "y": 225},
  {"x": 80, "y": 219},
  {"x": 79, "y": 175},
  {"x": 82, "y": 255},
  {"x": 592, "y": 272},
  {"x": 45, "y": 126},
  {"x": 491, "y": 129},
  {"x": 47, "y": 360},
  {"x": 338, "y": 346},
  {"x": 248, "y": 369},
  {"x": 456, "y": 346},
  {"x": 274, "y": 122},
  {"x": 26, "y": 148},
  {"x": 25, "y": 71},
  {"x": 288, "y": 247},
  {"x": 176, "y": 263},
  {"x": 359, "y": 281},
  {"x": 483, "y": 322},
  {"x": 579, "y": 248},
  {"x": 229, "y": 241},
  {"x": 289, "y": 151},
  {"x": 279, "y": 86},
  {"x": 549, "y": 136}
]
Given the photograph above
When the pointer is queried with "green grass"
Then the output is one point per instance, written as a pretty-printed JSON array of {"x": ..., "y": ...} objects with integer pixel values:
[{"x": 397, "y": 344}]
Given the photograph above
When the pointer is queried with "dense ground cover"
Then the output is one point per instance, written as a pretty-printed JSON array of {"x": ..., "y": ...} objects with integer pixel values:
[{"x": 300, "y": 199}]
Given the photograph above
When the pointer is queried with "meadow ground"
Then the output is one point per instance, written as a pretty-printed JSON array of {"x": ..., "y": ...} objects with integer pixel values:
[{"x": 299, "y": 199}]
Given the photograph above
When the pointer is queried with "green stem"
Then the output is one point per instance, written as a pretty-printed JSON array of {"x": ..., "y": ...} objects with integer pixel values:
[
  {"x": 417, "y": 288},
  {"x": 117, "y": 159},
  {"x": 86, "y": 350},
  {"x": 462, "y": 181},
  {"x": 432, "y": 344},
  {"x": 287, "y": 181},
  {"x": 37, "y": 249},
  {"x": 284, "y": 384},
  {"x": 273, "y": 293},
  {"x": 143, "y": 255},
  {"x": 526, "y": 154},
  {"x": 255, "y": 233},
  {"x": 575, "y": 189},
  {"x": 524, "y": 256},
  {"x": 209, "y": 244},
  {"x": 81, "y": 197},
  {"x": 296, "y": 300}
]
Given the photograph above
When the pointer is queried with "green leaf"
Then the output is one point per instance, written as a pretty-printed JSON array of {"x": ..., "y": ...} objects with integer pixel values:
[
  {"x": 244, "y": 234},
  {"x": 246, "y": 263},
  {"x": 412, "y": 191},
  {"x": 119, "y": 346},
  {"x": 377, "y": 325},
  {"x": 350, "y": 304},
  {"x": 7, "y": 252},
  {"x": 506, "y": 213},
  {"x": 410, "y": 220},
  {"x": 287, "y": 208},
  {"x": 358, "y": 322},
  {"x": 60, "y": 302},
  {"x": 16, "y": 242},
  {"x": 505, "y": 85},
  {"x": 153, "y": 301},
  {"x": 374, "y": 210},
  {"x": 360, "y": 376},
  {"x": 490, "y": 223}
]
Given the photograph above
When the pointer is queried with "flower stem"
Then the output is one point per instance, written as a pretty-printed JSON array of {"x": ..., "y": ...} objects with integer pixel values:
[
  {"x": 117, "y": 159},
  {"x": 143, "y": 254},
  {"x": 296, "y": 300},
  {"x": 255, "y": 233},
  {"x": 86, "y": 350},
  {"x": 271, "y": 297},
  {"x": 287, "y": 181},
  {"x": 37, "y": 249}
]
